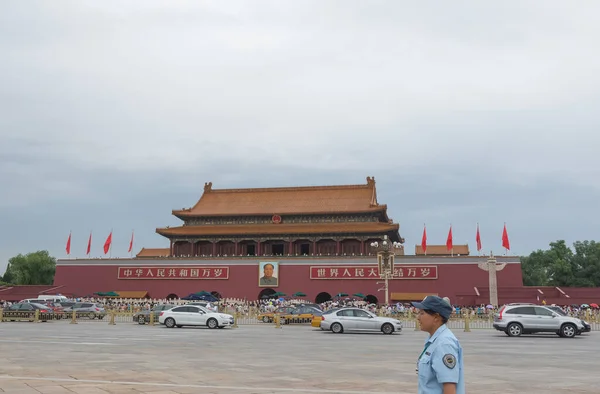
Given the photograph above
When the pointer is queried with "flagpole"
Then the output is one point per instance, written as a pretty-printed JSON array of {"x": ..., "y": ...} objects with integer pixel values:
[
  {"x": 69, "y": 245},
  {"x": 452, "y": 250},
  {"x": 477, "y": 241},
  {"x": 505, "y": 250},
  {"x": 131, "y": 248},
  {"x": 89, "y": 250},
  {"x": 425, "y": 232},
  {"x": 110, "y": 246}
]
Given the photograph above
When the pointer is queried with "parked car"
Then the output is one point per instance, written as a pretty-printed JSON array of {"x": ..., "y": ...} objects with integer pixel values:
[
  {"x": 89, "y": 309},
  {"x": 268, "y": 317},
  {"x": 143, "y": 317},
  {"x": 356, "y": 319},
  {"x": 46, "y": 313},
  {"x": 518, "y": 319},
  {"x": 194, "y": 315},
  {"x": 303, "y": 314},
  {"x": 29, "y": 307}
]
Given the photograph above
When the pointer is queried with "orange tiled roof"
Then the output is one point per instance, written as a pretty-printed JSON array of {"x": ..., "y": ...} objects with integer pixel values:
[
  {"x": 132, "y": 294},
  {"x": 292, "y": 228},
  {"x": 286, "y": 200},
  {"x": 156, "y": 252},
  {"x": 440, "y": 250}
]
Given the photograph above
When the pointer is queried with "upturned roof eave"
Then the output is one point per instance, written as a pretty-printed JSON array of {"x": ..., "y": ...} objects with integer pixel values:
[
  {"x": 188, "y": 213},
  {"x": 167, "y": 232}
]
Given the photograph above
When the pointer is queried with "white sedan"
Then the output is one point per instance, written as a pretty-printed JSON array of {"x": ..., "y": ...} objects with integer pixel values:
[
  {"x": 194, "y": 315},
  {"x": 356, "y": 319}
]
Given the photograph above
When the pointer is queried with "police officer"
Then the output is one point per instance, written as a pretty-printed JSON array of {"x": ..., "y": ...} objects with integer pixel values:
[{"x": 440, "y": 366}]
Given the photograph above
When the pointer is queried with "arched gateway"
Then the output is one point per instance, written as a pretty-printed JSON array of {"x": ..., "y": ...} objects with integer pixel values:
[
  {"x": 371, "y": 299},
  {"x": 322, "y": 297},
  {"x": 266, "y": 293}
]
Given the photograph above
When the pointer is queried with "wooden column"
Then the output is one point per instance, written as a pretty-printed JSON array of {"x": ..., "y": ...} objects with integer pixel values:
[
  {"x": 362, "y": 247},
  {"x": 291, "y": 250},
  {"x": 314, "y": 248},
  {"x": 171, "y": 248},
  {"x": 214, "y": 251},
  {"x": 339, "y": 248},
  {"x": 237, "y": 248},
  {"x": 258, "y": 251},
  {"x": 194, "y": 246}
]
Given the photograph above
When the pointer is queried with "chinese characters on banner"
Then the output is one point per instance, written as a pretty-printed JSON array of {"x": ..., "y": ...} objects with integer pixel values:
[
  {"x": 173, "y": 273},
  {"x": 372, "y": 272}
]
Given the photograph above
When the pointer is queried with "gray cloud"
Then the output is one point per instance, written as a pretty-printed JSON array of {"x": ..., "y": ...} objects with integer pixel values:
[{"x": 110, "y": 116}]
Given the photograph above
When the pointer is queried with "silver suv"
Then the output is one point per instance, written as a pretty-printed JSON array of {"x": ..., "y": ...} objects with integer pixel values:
[{"x": 517, "y": 319}]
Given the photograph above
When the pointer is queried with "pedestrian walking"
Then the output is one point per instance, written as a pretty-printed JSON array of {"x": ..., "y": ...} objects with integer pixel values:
[{"x": 440, "y": 366}]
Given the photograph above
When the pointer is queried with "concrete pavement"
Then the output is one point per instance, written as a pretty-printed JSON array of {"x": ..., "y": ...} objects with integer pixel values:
[{"x": 94, "y": 358}]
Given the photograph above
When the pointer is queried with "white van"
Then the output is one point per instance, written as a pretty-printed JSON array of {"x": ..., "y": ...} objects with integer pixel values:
[
  {"x": 53, "y": 298},
  {"x": 42, "y": 299}
]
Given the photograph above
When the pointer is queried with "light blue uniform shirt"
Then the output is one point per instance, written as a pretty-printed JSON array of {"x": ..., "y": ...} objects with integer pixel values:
[{"x": 441, "y": 362}]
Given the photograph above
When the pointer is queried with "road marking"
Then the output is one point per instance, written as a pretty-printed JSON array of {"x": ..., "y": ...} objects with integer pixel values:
[
  {"x": 59, "y": 343},
  {"x": 195, "y": 386}
]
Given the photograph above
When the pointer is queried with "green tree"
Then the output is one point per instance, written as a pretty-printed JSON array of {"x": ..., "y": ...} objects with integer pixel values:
[
  {"x": 535, "y": 269},
  {"x": 562, "y": 266},
  {"x": 561, "y": 270},
  {"x": 35, "y": 268},
  {"x": 586, "y": 262}
]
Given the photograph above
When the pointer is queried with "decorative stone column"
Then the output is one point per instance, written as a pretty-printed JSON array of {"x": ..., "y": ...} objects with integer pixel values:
[{"x": 492, "y": 267}]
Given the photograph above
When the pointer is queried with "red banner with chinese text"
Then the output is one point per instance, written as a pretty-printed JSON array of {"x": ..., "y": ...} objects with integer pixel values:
[
  {"x": 372, "y": 272},
  {"x": 173, "y": 273}
]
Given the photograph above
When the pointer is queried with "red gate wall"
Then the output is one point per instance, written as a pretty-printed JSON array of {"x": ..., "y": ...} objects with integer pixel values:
[{"x": 452, "y": 280}]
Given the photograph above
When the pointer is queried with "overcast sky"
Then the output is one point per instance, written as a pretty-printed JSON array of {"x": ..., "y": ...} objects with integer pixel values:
[{"x": 113, "y": 113}]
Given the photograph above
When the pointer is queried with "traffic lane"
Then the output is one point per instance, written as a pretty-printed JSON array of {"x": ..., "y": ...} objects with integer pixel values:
[{"x": 296, "y": 354}]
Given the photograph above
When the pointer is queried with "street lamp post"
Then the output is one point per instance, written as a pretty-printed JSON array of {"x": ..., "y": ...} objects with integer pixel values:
[{"x": 386, "y": 251}]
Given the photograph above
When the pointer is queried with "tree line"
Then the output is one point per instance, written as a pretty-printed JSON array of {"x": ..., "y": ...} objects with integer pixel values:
[
  {"x": 35, "y": 268},
  {"x": 559, "y": 265}
]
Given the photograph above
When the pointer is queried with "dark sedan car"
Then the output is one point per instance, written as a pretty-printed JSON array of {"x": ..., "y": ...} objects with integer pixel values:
[
  {"x": 46, "y": 313},
  {"x": 143, "y": 317}
]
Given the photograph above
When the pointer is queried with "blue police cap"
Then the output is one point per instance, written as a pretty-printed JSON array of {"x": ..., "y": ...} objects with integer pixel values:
[{"x": 435, "y": 304}]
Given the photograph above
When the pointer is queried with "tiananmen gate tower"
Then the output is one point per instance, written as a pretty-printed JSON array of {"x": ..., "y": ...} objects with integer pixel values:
[{"x": 247, "y": 243}]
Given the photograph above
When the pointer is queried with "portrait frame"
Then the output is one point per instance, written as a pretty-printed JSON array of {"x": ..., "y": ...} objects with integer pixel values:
[{"x": 261, "y": 268}]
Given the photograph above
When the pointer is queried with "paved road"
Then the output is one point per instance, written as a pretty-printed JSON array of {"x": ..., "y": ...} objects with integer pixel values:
[{"x": 127, "y": 358}]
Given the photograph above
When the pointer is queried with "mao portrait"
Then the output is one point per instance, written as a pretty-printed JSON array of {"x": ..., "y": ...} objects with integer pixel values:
[{"x": 268, "y": 274}]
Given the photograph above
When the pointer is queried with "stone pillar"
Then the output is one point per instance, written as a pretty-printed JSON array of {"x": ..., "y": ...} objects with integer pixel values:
[{"x": 492, "y": 267}]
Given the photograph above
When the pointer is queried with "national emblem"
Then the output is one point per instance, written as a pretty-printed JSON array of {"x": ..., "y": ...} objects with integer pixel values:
[{"x": 449, "y": 361}]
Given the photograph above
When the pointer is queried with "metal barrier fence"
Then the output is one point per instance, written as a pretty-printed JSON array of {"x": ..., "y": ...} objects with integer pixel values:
[{"x": 463, "y": 322}]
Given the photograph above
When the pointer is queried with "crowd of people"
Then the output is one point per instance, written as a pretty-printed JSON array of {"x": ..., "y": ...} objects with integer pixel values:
[{"x": 229, "y": 305}]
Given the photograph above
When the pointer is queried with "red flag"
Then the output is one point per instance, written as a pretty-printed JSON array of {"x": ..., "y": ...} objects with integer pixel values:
[
  {"x": 449, "y": 240},
  {"x": 89, "y": 248},
  {"x": 68, "y": 248},
  {"x": 478, "y": 239},
  {"x": 107, "y": 243},
  {"x": 130, "y": 243},
  {"x": 505, "y": 242},
  {"x": 424, "y": 240}
]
